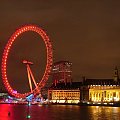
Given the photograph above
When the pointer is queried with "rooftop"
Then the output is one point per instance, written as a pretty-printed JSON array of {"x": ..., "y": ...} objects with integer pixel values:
[
  {"x": 73, "y": 85},
  {"x": 101, "y": 82}
]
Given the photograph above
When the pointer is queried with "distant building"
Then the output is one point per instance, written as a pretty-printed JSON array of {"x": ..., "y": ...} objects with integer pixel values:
[
  {"x": 61, "y": 72},
  {"x": 3, "y": 94},
  {"x": 65, "y": 93},
  {"x": 89, "y": 90},
  {"x": 63, "y": 90},
  {"x": 104, "y": 90}
]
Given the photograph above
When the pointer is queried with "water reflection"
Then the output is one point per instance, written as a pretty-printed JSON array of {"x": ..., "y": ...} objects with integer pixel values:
[
  {"x": 59, "y": 112},
  {"x": 12, "y": 112},
  {"x": 104, "y": 113},
  {"x": 5, "y": 112}
]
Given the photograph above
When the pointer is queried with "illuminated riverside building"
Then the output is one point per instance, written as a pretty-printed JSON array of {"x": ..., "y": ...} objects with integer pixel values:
[
  {"x": 63, "y": 90},
  {"x": 64, "y": 93},
  {"x": 90, "y": 90},
  {"x": 104, "y": 90},
  {"x": 104, "y": 93}
]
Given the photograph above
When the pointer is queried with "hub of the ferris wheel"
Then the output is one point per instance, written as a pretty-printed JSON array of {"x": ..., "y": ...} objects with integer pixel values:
[{"x": 31, "y": 79}]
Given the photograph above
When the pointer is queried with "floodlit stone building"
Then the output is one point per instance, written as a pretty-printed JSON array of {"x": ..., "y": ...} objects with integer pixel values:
[
  {"x": 104, "y": 90},
  {"x": 64, "y": 93},
  {"x": 89, "y": 90}
]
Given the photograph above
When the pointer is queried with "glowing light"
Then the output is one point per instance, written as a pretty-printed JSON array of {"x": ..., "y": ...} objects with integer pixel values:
[
  {"x": 14, "y": 91},
  {"x": 29, "y": 104},
  {"x": 6, "y": 51},
  {"x": 111, "y": 103},
  {"x": 28, "y": 116},
  {"x": 105, "y": 103}
]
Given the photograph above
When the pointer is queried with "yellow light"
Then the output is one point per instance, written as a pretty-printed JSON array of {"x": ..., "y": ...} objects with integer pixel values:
[{"x": 105, "y": 103}]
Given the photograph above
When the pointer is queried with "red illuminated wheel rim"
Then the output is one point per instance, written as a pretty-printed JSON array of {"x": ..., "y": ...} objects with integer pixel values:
[{"x": 48, "y": 45}]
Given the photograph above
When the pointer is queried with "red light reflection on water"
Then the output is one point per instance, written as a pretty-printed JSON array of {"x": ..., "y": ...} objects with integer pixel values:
[{"x": 6, "y": 112}]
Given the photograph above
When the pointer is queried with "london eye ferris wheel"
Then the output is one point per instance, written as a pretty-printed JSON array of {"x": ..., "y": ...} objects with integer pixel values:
[{"x": 49, "y": 61}]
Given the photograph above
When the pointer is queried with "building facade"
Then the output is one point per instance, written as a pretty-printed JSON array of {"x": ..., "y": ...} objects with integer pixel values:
[
  {"x": 63, "y": 90},
  {"x": 106, "y": 93},
  {"x": 62, "y": 72},
  {"x": 104, "y": 90},
  {"x": 64, "y": 93},
  {"x": 89, "y": 90}
]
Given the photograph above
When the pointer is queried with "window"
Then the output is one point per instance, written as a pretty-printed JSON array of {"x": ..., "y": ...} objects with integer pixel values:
[
  {"x": 114, "y": 94},
  {"x": 105, "y": 93}
]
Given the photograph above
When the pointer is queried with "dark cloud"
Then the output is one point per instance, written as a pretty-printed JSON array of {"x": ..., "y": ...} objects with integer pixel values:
[{"x": 83, "y": 32}]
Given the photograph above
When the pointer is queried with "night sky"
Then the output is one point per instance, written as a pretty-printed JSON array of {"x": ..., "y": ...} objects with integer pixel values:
[{"x": 86, "y": 33}]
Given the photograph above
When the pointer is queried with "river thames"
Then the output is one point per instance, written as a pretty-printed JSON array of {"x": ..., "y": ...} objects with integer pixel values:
[{"x": 58, "y": 112}]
